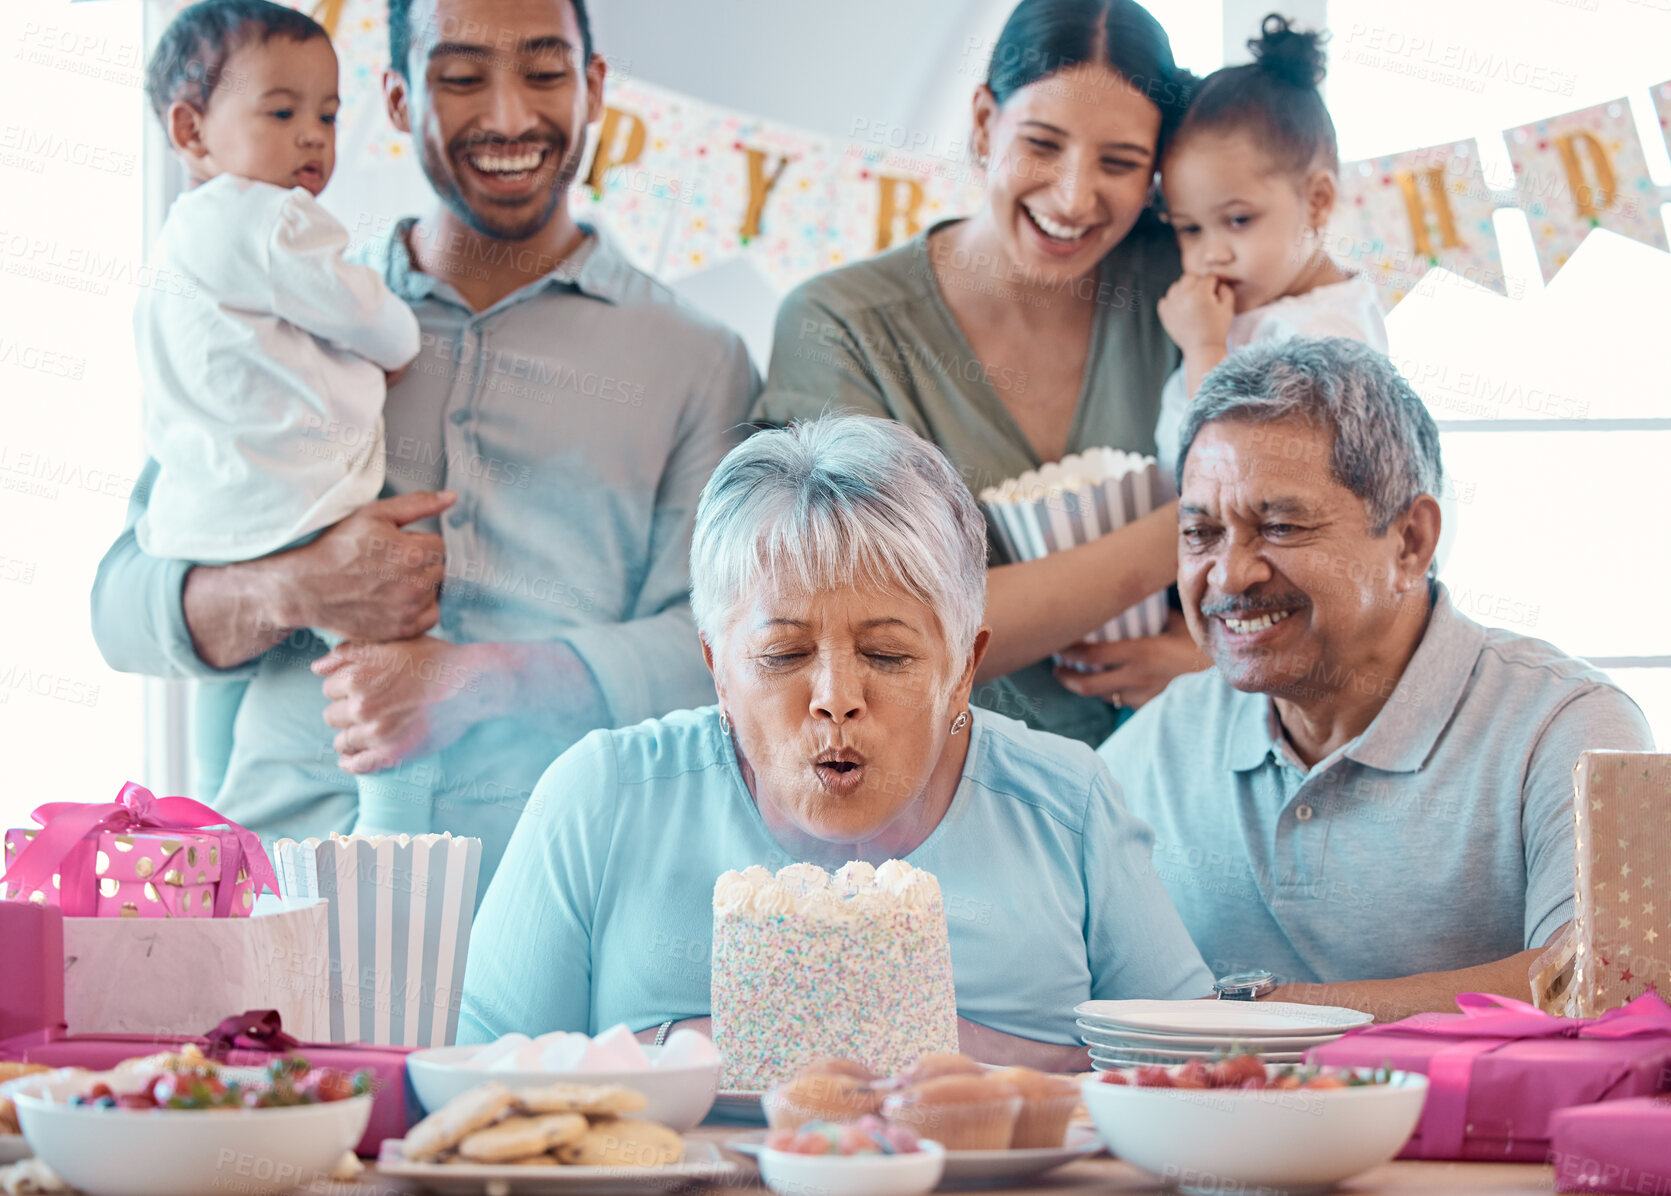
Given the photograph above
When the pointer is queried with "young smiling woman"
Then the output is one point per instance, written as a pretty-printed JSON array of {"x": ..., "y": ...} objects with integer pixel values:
[{"x": 1027, "y": 332}]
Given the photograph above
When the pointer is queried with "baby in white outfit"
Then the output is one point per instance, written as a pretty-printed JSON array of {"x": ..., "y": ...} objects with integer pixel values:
[
  {"x": 263, "y": 384},
  {"x": 1250, "y": 179},
  {"x": 264, "y": 381}
]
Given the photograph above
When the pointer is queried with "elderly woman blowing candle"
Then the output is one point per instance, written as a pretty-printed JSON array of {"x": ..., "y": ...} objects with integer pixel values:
[{"x": 838, "y": 581}]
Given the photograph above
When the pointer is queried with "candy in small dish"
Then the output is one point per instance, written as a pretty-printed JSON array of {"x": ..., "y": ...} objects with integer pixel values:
[
  {"x": 199, "y": 1131},
  {"x": 863, "y": 1158},
  {"x": 1238, "y": 1125},
  {"x": 678, "y": 1080}
]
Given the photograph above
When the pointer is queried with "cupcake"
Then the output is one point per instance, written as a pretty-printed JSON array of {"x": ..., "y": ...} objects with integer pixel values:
[
  {"x": 960, "y": 1112},
  {"x": 936, "y": 1064},
  {"x": 830, "y": 1066},
  {"x": 1047, "y": 1102},
  {"x": 818, "y": 1097}
]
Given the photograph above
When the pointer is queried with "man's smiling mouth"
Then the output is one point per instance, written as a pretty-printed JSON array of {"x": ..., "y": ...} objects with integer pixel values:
[{"x": 1257, "y": 623}]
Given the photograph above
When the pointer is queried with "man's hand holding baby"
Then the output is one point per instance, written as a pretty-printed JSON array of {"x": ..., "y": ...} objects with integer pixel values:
[{"x": 363, "y": 578}]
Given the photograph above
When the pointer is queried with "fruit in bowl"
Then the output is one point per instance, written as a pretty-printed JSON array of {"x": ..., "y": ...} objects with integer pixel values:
[
  {"x": 286, "y": 1083},
  {"x": 193, "y": 1131},
  {"x": 867, "y": 1157},
  {"x": 1238, "y": 1124}
]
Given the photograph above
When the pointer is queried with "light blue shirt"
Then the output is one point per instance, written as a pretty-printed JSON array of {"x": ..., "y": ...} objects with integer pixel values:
[
  {"x": 577, "y": 419},
  {"x": 1439, "y": 838},
  {"x": 603, "y": 909}
]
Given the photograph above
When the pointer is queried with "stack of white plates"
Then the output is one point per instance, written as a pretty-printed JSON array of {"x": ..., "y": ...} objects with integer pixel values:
[{"x": 1135, "y": 1033}]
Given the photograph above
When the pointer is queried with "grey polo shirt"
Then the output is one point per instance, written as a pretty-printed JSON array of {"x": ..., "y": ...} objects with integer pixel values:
[{"x": 1440, "y": 838}]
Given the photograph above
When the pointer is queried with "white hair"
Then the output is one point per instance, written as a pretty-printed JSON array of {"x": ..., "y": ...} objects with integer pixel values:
[
  {"x": 1386, "y": 445},
  {"x": 834, "y": 503}
]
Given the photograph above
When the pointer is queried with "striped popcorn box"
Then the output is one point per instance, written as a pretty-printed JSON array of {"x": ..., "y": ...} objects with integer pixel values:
[
  {"x": 400, "y": 912},
  {"x": 1072, "y": 502}
]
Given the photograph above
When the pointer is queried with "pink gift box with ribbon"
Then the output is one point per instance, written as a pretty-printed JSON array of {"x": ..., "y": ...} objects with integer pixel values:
[
  {"x": 140, "y": 856},
  {"x": 1621, "y": 1146},
  {"x": 1499, "y": 1070}
]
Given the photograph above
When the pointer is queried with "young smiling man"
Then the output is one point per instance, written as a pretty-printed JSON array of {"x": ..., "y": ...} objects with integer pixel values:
[
  {"x": 549, "y": 445},
  {"x": 1369, "y": 797}
]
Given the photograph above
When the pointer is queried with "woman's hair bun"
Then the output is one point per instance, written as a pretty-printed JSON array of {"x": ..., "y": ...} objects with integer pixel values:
[{"x": 1292, "y": 56}]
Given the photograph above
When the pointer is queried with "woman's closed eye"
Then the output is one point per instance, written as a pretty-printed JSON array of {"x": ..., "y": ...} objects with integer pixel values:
[{"x": 778, "y": 660}]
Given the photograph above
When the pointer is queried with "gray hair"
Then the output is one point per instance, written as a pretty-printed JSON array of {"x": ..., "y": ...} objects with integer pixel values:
[
  {"x": 1386, "y": 445},
  {"x": 835, "y": 502}
]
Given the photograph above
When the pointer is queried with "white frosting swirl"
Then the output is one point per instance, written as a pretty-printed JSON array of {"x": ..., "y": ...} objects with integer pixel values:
[
  {"x": 855, "y": 875},
  {"x": 804, "y": 878},
  {"x": 918, "y": 892},
  {"x": 894, "y": 875},
  {"x": 756, "y": 875},
  {"x": 772, "y": 900},
  {"x": 733, "y": 893}
]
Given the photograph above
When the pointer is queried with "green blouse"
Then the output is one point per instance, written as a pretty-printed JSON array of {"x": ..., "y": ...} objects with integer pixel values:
[{"x": 877, "y": 337}]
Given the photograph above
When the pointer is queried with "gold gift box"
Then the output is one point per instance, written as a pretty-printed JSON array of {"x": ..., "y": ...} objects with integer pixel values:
[{"x": 1621, "y": 940}]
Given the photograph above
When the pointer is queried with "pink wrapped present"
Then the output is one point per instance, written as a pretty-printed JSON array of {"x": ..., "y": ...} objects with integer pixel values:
[
  {"x": 1622, "y": 1146},
  {"x": 32, "y": 997},
  {"x": 251, "y": 1039},
  {"x": 1499, "y": 1070},
  {"x": 137, "y": 857}
]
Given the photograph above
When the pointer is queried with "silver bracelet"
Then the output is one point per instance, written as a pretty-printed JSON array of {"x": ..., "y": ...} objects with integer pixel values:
[{"x": 661, "y": 1034}]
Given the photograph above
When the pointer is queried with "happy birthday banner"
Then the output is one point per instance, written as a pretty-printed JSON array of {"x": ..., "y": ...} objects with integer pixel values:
[{"x": 685, "y": 186}]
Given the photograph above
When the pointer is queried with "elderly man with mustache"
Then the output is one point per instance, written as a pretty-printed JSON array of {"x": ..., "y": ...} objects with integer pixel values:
[
  {"x": 1368, "y": 800},
  {"x": 547, "y": 449}
]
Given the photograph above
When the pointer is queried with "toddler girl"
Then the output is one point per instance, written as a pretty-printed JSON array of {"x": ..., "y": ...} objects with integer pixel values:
[{"x": 1250, "y": 180}]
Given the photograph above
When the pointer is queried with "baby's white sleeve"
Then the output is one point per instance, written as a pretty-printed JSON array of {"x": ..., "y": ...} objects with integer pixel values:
[
  {"x": 317, "y": 289},
  {"x": 219, "y": 233}
]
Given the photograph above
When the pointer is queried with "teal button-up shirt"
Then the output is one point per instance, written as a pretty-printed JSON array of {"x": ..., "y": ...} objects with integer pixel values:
[{"x": 577, "y": 419}]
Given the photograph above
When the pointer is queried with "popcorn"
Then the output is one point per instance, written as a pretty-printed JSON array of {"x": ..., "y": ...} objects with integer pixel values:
[{"x": 1072, "y": 502}]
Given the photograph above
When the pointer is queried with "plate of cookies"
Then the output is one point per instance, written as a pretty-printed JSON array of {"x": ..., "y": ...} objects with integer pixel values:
[{"x": 558, "y": 1138}]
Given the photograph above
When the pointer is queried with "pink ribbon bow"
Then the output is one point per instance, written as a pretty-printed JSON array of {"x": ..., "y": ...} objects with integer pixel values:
[
  {"x": 64, "y": 845},
  {"x": 1490, "y": 1022},
  {"x": 252, "y": 1030}
]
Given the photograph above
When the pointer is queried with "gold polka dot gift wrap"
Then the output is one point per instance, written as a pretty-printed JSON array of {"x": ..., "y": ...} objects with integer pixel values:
[
  {"x": 171, "y": 874},
  {"x": 806, "y": 964}
]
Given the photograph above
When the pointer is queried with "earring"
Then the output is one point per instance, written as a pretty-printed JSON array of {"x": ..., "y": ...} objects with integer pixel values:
[
  {"x": 724, "y": 724},
  {"x": 961, "y": 721}
]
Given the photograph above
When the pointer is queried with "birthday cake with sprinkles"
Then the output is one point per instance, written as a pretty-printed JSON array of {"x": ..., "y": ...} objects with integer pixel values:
[{"x": 807, "y": 964}]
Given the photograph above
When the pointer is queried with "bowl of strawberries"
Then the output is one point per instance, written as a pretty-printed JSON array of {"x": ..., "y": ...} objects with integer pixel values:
[
  {"x": 194, "y": 1128},
  {"x": 1235, "y": 1123}
]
